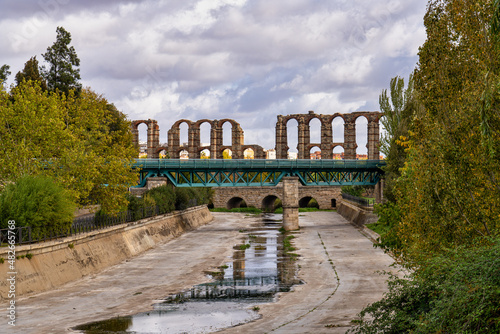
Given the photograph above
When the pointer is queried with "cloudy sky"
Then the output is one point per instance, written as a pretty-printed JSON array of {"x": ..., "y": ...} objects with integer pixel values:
[{"x": 249, "y": 60}]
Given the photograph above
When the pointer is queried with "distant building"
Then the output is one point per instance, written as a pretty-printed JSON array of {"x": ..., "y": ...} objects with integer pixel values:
[
  {"x": 362, "y": 156},
  {"x": 315, "y": 155},
  {"x": 292, "y": 155},
  {"x": 143, "y": 146},
  {"x": 338, "y": 156}
]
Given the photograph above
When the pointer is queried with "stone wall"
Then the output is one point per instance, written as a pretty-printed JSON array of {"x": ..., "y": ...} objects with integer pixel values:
[
  {"x": 357, "y": 215},
  {"x": 68, "y": 259},
  {"x": 256, "y": 196}
]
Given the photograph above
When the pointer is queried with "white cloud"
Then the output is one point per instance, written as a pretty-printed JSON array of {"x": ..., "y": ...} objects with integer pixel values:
[{"x": 248, "y": 60}]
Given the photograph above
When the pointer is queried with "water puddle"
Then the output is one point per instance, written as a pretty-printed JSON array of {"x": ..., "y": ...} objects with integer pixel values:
[{"x": 258, "y": 270}]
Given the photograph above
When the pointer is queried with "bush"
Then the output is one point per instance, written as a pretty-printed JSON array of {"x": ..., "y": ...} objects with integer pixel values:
[
  {"x": 353, "y": 190},
  {"x": 183, "y": 198},
  {"x": 168, "y": 199},
  {"x": 188, "y": 197},
  {"x": 164, "y": 197},
  {"x": 389, "y": 218},
  {"x": 37, "y": 202},
  {"x": 457, "y": 292},
  {"x": 138, "y": 205}
]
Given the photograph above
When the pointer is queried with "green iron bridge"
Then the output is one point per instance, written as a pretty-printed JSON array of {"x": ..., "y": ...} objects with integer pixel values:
[{"x": 259, "y": 172}]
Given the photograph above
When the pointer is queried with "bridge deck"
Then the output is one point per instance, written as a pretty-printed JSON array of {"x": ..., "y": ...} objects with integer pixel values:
[{"x": 259, "y": 172}]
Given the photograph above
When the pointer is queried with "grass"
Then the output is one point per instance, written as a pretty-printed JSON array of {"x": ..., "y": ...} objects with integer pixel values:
[
  {"x": 380, "y": 229},
  {"x": 287, "y": 244}
]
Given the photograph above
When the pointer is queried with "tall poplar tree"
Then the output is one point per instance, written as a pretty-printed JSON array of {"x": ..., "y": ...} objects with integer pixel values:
[{"x": 63, "y": 72}]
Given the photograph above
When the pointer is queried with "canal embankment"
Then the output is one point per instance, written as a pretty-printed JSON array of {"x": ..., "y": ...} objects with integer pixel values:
[
  {"x": 337, "y": 264},
  {"x": 49, "y": 265},
  {"x": 357, "y": 214}
]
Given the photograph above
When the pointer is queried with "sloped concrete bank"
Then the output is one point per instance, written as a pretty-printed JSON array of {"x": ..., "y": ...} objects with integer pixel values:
[
  {"x": 357, "y": 215},
  {"x": 58, "y": 262}
]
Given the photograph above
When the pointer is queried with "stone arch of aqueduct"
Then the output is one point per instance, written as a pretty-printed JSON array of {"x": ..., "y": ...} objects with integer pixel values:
[{"x": 237, "y": 147}]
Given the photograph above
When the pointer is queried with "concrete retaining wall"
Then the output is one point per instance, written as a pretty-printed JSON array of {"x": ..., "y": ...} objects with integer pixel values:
[
  {"x": 64, "y": 260},
  {"x": 356, "y": 214}
]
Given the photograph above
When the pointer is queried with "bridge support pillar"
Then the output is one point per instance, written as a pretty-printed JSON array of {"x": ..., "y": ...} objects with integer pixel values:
[
  {"x": 379, "y": 191},
  {"x": 290, "y": 203}
]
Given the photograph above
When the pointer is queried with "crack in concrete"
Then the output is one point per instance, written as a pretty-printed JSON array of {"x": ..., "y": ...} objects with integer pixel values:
[{"x": 324, "y": 301}]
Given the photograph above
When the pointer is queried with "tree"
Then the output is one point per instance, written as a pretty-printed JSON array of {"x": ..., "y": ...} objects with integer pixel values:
[
  {"x": 83, "y": 142},
  {"x": 446, "y": 190},
  {"x": 32, "y": 132},
  {"x": 4, "y": 74},
  {"x": 399, "y": 109},
  {"x": 445, "y": 216},
  {"x": 63, "y": 74},
  {"x": 104, "y": 153},
  {"x": 31, "y": 72},
  {"x": 227, "y": 154}
]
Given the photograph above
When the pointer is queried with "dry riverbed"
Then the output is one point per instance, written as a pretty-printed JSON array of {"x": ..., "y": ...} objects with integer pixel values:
[{"x": 337, "y": 263}]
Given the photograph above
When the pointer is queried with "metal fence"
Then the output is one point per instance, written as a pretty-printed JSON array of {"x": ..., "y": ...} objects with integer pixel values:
[
  {"x": 359, "y": 200},
  {"x": 21, "y": 235},
  {"x": 27, "y": 235}
]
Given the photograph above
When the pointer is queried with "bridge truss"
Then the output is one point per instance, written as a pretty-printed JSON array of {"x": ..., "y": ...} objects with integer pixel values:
[{"x": 259, "y": 172}]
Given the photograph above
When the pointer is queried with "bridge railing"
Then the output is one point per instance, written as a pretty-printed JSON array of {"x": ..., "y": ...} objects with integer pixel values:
[
  {"x": 254, "y": 163},
  {"x": 359, "y": 200}
]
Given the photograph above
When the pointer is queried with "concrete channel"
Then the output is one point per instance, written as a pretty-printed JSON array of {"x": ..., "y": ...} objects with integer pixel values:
[{"x": 337, "y": 264}]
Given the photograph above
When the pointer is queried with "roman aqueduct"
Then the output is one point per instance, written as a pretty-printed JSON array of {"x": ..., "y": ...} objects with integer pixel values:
[{"x": 194, "y": 146}]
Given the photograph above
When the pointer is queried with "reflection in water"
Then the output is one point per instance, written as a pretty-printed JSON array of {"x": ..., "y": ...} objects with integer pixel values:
[{"x": 253, "y": 276}]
